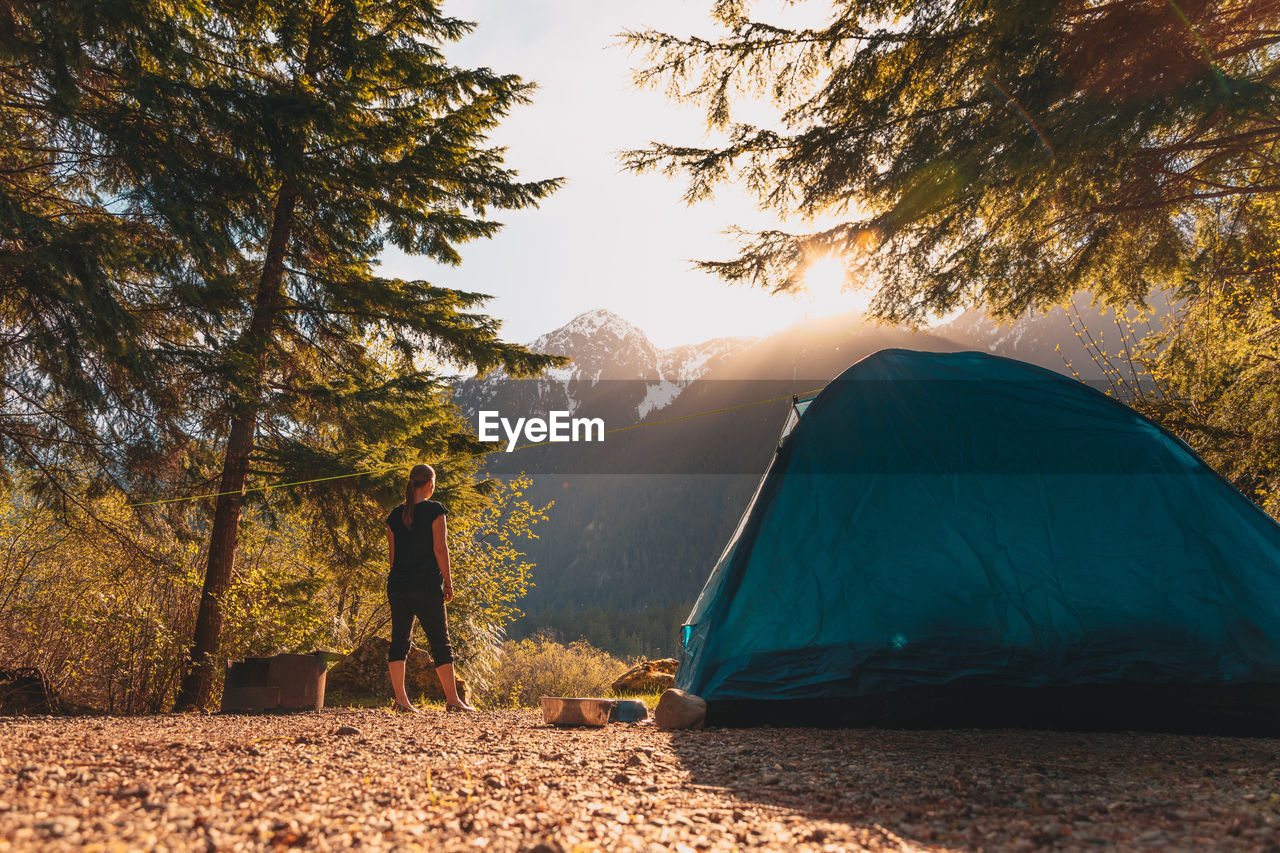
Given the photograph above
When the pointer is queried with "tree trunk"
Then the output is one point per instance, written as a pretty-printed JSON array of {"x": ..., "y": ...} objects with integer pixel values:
[{"x": 197, "y": 685}]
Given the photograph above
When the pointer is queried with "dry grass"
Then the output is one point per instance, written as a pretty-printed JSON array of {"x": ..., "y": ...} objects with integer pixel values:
[{"x": 532, "y": 668}]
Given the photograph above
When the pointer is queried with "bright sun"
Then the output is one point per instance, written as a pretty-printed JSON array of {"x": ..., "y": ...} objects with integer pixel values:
[
  {"x": 825, "y": 275},
  {"x": 825, "y": 290}
]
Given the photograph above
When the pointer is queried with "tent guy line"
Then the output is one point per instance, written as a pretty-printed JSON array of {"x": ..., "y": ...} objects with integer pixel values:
[{"x": 272, "y": 486}]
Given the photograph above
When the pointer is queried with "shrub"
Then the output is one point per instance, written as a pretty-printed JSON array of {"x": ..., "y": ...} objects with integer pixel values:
[
  {"x": 528, "y": 669},
  {"x": 104, "y": 606}
]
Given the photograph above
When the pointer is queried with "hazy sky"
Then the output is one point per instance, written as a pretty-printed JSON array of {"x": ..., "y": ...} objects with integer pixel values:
[{"x": 608, "y": 239}]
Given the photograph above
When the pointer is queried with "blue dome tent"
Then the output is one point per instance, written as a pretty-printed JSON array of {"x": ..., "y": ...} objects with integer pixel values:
[{"x": 964, "y": 539}]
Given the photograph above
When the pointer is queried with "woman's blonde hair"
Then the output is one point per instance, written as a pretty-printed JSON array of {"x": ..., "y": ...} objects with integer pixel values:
[{"x": 419, "y": 476}]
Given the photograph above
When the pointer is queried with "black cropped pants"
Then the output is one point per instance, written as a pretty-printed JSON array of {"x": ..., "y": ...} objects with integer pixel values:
[{"x": 425, "y": 601}]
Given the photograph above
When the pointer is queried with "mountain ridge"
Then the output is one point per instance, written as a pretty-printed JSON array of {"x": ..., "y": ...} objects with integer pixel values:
[{"x": 604, "y": 347}]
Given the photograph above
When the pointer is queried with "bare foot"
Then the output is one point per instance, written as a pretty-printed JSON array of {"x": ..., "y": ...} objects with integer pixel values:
[
  {"x": 406, "y": 709},
  {"x": 461, "y": 707}
]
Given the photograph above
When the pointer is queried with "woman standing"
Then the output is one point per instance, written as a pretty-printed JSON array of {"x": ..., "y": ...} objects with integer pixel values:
[{"x": 419, "y": 585}]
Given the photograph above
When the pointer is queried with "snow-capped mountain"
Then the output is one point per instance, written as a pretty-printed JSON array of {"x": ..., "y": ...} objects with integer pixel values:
[
  {"x": 605, "y": 346},
  {"x": 638, "y": 378}
]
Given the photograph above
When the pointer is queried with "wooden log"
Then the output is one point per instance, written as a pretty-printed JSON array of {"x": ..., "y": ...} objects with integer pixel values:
[{"x": 563, "y": 711}]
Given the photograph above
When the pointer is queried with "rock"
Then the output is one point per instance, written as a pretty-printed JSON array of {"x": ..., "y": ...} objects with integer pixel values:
[
  {"x": 680, "y": 710},
  {"x": 363, "y": 675},
  {"x": 648, "y": 676},
  {"x": 347, "y": 730},
  {"x": 547, "y": 846}
]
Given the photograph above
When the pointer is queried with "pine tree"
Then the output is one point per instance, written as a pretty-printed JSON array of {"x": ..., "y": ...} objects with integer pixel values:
[
  {"x": 79, "y": 292},
  {"x": 334, "y": 129},
  {"x": 1004, "y": 153},
  {"x": 240, "y": 167}
]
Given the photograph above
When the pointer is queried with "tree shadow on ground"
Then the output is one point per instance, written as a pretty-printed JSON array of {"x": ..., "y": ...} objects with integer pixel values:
[{"x": 1002, "y": 788}]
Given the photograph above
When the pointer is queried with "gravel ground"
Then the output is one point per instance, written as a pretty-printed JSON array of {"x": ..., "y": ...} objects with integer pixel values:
[{"x": 340, "y": 779}]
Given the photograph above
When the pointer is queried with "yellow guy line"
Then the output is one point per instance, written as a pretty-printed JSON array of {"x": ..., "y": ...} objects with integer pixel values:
[{"x": 401, "y": 466}]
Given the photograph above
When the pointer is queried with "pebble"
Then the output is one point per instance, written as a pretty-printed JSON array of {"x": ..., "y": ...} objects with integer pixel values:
[
  {"x": 503, "y": 781},
  {"x": 547, "y": 847}
]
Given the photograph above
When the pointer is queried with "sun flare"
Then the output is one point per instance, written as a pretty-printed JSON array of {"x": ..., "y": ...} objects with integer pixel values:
[
  {"x": 828, "y": 290},
  {"x": 825, "y": 275}
]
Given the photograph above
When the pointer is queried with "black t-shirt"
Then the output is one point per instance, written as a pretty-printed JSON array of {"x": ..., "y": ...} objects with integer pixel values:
[{"x": 415, "y": 554}]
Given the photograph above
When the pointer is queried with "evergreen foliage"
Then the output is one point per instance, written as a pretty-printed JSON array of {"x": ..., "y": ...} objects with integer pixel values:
[
  {"x": 82, "y": 301},
  {"x": 227, "y": 175},
  {"x": 1213, "y": 364},
  {"x": 1009, "y": 155},
  {"x": 996, "y": 152}
]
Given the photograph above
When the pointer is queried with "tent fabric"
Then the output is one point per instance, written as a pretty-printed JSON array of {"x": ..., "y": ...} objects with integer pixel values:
[{"x": 970, "y": 521}]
